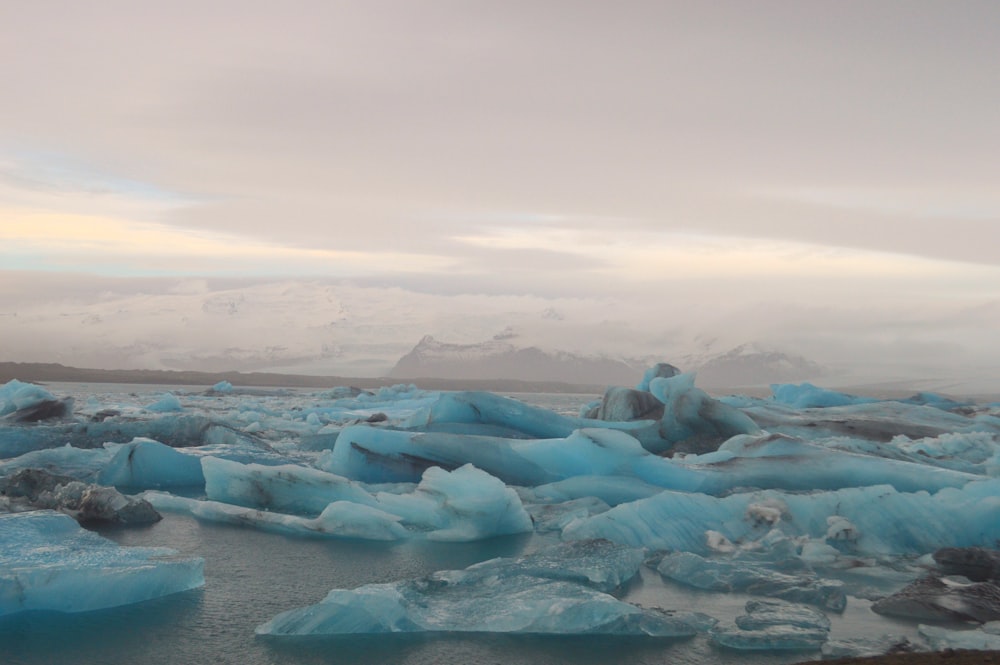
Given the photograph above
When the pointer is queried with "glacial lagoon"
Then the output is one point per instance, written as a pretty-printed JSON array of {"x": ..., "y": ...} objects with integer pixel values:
[{"x": 801, "y": 499}]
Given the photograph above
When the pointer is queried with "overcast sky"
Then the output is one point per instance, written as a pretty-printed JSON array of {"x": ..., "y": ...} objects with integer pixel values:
[{"x": 817, "y": 151}]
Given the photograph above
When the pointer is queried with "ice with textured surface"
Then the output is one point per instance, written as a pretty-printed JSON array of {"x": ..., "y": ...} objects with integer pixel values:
[
  {"x": 48, "y": 562},
  {"x": 561, "y": 590}
]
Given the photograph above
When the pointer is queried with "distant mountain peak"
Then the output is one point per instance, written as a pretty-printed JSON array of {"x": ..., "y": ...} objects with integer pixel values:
[{"x": 498, "y": 359}]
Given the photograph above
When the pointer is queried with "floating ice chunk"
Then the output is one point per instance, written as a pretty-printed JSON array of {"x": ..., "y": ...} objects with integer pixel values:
[
  {"x": 808, "y": 396},
  {"x": 984, "y": 638},
  {"x": 48, "y": 562},
  {"x": 878, "y": 421},
  {"x": 551, "y": 592},
  {"x": 16, "y": 395},
  {"x": 286, "y": 488},
  {"x": 623, "y": 404},
  {"x": 692, "y": 421},
  {"x": 79, "y": 463},
  {"x": 27, "y": 402},
  {"x": 166, "y": 404},
  {"x": 752, "y": 577},
  {"x": 763, "y": 614},
  {"x": 976, "y": 563},
  {"x": 340, "y": 519},
  {"x": 774, "y": 625},
  {"x": 485, "y": 413},
  {"x": 354, "y": 520},
  {"x": 178, "y": 430},
  {"x": 611, "y": 490},
  {"x": 775, "y": 638},
  {"x": 780, "y": 461},
  {"x": 222, "y": 387},
  {"x": 657, "y": 371},
  {"x": 943, "y": 599},
  {"x": 376, "y": 455},
  {"x": 461, "y": 505},
  {"x": 36, "y": 488},
  {"x": 93, "y": 503},
  {"x": 887, "y": 522},
  {"x": 840, "y": 528},
  {"x": 148, "y": 464},
  {"x": 555, "y": 516},
  {"x": 862, "y": 647}
]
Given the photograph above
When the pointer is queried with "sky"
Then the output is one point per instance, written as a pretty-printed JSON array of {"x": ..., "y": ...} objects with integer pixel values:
[{"x": 833, "y": 155}]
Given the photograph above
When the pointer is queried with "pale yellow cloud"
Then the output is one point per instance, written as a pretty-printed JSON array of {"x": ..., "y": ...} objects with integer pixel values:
[
  {"x": 673, "y": 255},
  {"x": 73, "y": 238}
]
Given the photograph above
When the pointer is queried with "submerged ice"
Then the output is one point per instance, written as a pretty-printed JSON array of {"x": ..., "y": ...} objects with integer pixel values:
[
  {"x": 560, "y": 590},
  {"x": 48, "y": 562}
]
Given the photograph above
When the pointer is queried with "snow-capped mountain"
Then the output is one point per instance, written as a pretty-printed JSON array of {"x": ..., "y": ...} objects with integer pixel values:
[
  {"x": 499, "y": 359},
  {"x": 745, "y": 365},
  {"x": 325, "y": 328},
  {"x": 750, "y": 365}
]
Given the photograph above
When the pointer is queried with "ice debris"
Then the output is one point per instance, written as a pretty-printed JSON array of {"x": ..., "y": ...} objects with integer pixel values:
[
  {"x": 35, "y": 488},
  {"x": 774, "y": 625}
]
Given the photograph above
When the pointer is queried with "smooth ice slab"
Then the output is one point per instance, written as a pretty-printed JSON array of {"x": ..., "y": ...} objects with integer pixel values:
[
  {"x": 48, "y": 562},
  {"x": 555, "y": 591}
]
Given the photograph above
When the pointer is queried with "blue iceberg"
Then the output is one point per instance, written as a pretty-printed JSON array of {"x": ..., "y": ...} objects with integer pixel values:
[
  {"x": 48, "y": 562},
  {"x": 557, "y": 591}
]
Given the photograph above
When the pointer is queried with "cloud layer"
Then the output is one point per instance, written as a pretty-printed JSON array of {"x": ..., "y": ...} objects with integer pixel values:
[{"x": 833, "y": 155}]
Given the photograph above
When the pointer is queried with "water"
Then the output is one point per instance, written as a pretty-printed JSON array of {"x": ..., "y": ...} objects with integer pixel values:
[{"x": 251, "y": 576}]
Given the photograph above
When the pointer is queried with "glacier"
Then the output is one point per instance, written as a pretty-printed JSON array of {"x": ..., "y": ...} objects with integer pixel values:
[{"x": 796, "y": 509}]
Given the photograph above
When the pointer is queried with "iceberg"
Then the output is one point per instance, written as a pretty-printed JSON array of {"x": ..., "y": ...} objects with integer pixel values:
[
  {"x": 767, "y": 461},
  {"x": 749, "y": 576},
  {"x": 461, "y": 505},
  {"x": 147, "y": 464},
  {"x": 48, "y": 562},
  {"x": 885, "y": 521},
  {"x": 36, "y": 488},
  {"x": 808, "y": 396},
  {"x": 340, "y": 519},
  {"x": 774, "y": 625},
  {"x": 693, "y": 422},
  {"x": 285, "y": 488},
  {"x": 935, "y": 598},
  {"x": 30, "y": 403},
  {"x": 556, "y": 591}
]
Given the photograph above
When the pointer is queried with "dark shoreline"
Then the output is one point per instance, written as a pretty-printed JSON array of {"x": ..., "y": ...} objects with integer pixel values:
[
  {"x": 946, "y": 657},
  {"x": 49, "y": 372}
]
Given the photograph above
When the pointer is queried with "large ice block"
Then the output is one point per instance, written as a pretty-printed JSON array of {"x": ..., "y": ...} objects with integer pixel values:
[{"x": 48, "y": 562}]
